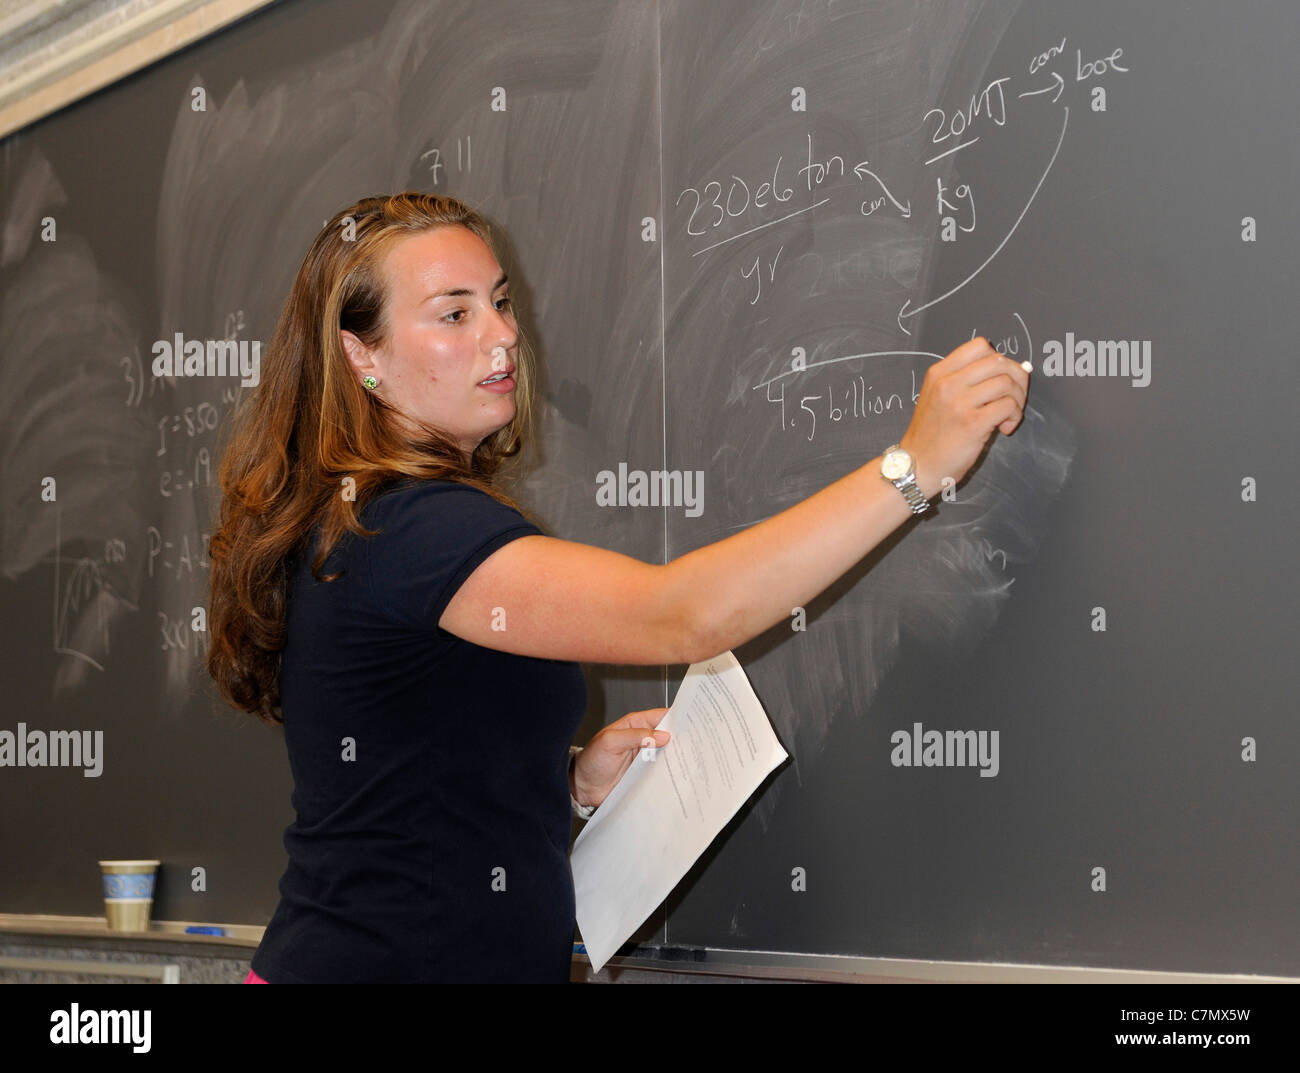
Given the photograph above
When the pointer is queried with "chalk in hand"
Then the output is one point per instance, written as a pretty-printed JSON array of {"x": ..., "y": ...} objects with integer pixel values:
[{"x": 1027, "y": 366}]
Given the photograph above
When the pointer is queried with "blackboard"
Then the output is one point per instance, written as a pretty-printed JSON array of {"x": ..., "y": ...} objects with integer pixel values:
[{"x": 741, "y": 231}]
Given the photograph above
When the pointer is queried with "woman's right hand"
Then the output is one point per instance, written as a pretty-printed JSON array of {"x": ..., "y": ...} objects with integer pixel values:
[{"x": 973, "y": 391}]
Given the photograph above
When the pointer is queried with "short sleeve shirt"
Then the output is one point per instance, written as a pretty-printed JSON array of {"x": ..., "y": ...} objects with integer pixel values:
[{"x": 430, "y": 774}]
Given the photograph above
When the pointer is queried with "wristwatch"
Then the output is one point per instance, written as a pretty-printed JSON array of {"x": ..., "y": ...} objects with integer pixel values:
[
  {"x": 897, "y": 467},
  {"x": 583, "y": 812}
]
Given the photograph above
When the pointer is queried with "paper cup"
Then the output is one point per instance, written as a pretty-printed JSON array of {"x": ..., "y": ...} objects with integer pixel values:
[{"x": 128, "y": 893}]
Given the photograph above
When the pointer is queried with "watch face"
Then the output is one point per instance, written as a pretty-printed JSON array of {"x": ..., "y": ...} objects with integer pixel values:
[{"x": 896, "y": 464}]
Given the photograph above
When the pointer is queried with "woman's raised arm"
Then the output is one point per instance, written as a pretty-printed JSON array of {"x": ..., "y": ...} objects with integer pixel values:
[{"x": 561, "y": 600}]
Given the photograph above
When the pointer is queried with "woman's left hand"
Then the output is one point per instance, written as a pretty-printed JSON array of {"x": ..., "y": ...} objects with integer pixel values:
[{"x": 610, "y": 753}]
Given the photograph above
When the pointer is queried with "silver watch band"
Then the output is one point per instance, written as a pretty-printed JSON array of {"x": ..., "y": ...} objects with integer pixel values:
[
  {"x": 912, "y": 493},
  {"x": 583, "y": 812}
]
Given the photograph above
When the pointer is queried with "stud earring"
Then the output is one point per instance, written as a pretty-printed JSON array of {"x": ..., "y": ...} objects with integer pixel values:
[{"x": 370, "y": 382}]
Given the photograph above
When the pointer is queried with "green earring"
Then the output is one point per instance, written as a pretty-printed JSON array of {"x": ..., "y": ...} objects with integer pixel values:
[{"x": 370, "y": 382}]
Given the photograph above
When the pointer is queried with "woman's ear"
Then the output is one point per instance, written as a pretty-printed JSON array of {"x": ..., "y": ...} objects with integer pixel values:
[{"x": 361, "y": 357}]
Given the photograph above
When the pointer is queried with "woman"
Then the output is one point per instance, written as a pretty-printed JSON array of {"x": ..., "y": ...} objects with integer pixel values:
[{"x": 376, "y": 592}]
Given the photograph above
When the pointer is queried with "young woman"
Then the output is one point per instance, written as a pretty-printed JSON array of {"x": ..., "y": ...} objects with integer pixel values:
[{"x": 376, "y": 592}]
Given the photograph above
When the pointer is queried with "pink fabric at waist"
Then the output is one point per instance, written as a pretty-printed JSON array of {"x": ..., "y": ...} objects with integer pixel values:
[{"x": 253, "y": 978}]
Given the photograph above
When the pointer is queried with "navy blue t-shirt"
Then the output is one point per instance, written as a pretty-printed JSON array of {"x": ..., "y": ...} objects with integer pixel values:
[{"x": 430, "y": 774}]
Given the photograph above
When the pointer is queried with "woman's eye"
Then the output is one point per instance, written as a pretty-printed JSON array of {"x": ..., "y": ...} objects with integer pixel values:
[{"x": 458, "y": 315}]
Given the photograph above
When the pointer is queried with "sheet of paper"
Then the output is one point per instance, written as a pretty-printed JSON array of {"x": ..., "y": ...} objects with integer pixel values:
[{"x": 671, "y": 803}]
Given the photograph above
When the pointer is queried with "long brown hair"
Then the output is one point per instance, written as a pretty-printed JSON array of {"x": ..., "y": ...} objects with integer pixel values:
[{"x": 312, "y": 446}]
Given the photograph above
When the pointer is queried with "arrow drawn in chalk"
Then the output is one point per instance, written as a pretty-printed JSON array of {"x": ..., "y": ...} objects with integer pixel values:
[
  {"x": 1060, "y": 85},
  {"x": 905, "y": 312},
  {"x": 860, "y": 169}
]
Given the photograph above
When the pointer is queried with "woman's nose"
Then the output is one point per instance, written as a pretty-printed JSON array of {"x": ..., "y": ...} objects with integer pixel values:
[{"x": 506, "y": 333}]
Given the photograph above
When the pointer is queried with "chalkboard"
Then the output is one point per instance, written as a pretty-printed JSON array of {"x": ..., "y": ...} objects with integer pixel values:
[{"x": 741, "y": 232}]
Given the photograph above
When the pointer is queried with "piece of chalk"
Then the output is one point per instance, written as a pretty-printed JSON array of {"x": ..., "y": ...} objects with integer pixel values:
[
  {"x": 199, "y": 929},
  {"x": 1027, "y": 366}
]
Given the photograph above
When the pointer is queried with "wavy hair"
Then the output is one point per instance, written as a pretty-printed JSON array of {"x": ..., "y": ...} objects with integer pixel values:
[{"x": 310, "y": 425}]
